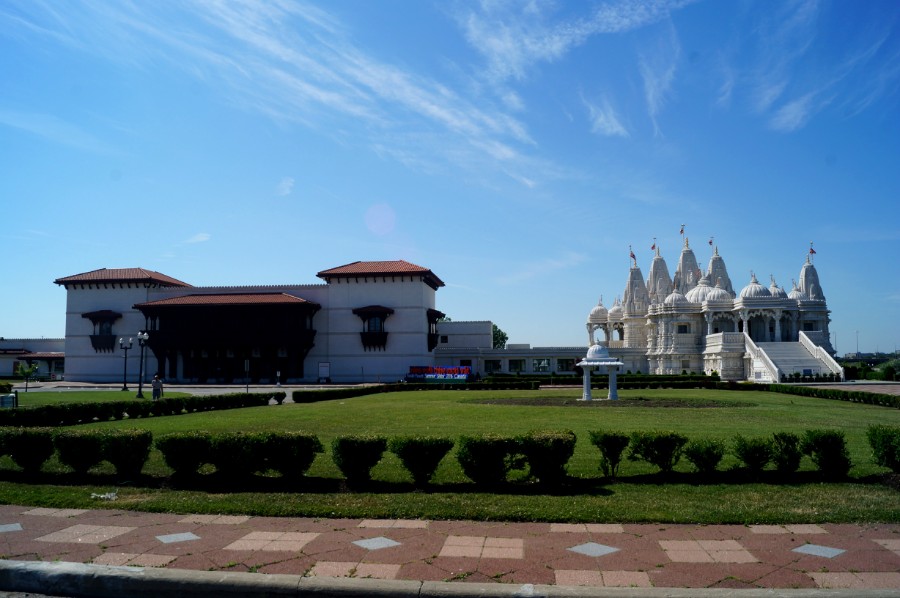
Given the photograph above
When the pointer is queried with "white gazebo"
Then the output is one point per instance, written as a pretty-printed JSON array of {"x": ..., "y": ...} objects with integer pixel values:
[{"x": 598, "y": 357}]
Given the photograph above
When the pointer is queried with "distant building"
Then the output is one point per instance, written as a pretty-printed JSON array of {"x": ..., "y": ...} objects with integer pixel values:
[
  {"x": 368, "y": 322},
  {"x": 46, "y": 353}
]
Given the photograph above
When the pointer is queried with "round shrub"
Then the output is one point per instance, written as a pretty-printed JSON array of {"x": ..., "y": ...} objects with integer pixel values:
[
  {"x": 786, "y": 453},
  {"x": 705, "y": 454},
  {"x": 885, "y": 443}
]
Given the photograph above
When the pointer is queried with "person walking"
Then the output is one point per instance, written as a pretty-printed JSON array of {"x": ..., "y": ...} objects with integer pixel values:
[{"x": 157, "y": 387}]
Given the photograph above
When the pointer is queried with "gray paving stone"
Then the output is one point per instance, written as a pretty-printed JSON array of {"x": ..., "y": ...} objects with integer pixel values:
[
  {"x": 593, "y": 549},
  {"x": 11, "y": 527},
  {"x": 816, "y": 550},
  {"x": 173, "y": 538},
  {"x": 376, "y": 543}
]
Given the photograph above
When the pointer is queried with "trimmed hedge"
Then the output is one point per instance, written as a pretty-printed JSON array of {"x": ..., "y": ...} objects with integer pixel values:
[
  {"x": 68, "y": 414},
  {"x": 420, "y": 455},
  {"x": 356, "y": 454},
  {"x": 611, "y": 446},
  {"x": 885, "y": 443},
  {"x": 705, "y": 454},
  {"x": 662, "y": 449},
  {"x": 291, "y": 453},
  {"x": 754, "y": 453},
  {"x": 79, "y": 449},
  {"x": 127, "y": 450},
  {"x": 547, "y": 452},
  {"x": 29, "y": 448},
  {"x": 786, "y": 453},
  {"x": 185, "y": 452},
  {"x": 487, "y": 459},
  {"x": 828, "y": 450}
]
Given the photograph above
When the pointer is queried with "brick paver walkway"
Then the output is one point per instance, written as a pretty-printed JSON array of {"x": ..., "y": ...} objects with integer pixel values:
[{"x": 627, "y": 555}]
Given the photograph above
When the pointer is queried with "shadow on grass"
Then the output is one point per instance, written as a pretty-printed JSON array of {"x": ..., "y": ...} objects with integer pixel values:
[{"x": 221, "y": 482}]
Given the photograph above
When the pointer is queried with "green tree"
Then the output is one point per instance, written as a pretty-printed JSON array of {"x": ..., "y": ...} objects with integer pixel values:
[
  {"x": 500, "y": 337},
  {"x": 26, "y": 371}
]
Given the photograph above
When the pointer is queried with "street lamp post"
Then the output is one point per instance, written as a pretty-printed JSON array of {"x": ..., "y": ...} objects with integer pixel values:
[
  {"x": 142, "y": 337},
  {"x": 125, "y": 348}
]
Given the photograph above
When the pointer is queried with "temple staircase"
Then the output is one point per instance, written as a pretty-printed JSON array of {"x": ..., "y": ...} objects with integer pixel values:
[{"x": 804, "y": 358}]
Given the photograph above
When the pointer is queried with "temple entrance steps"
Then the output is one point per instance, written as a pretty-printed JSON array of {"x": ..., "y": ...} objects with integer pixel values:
[{"x": 793, "y": 357}]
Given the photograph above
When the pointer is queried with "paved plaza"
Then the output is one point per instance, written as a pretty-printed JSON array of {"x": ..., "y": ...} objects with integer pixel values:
[{"x": 562, "y": 554}]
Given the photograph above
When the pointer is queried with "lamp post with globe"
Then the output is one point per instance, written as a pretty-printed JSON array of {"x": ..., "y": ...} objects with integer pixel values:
[
  {"x": 125, "y": 347},
  {"x": 142, "y": 337}
]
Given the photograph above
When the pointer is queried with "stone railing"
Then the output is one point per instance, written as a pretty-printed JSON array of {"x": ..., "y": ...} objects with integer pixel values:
[
  {"x": 724, "y": 341},
  {"x": 758, "y": 354},
  {"x": 821, "y": 354}
]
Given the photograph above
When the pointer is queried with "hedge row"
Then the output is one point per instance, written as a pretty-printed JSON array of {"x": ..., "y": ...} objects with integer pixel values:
[
  {"x": 486, "y": 459},
  {"x": 837, "y": 394},
  {"x": 67, "y": 414}
]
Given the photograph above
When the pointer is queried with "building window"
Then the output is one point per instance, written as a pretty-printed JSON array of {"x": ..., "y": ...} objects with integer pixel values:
[
  {"x": 565, "y": 365},
  {"x": 516, "y": 365},
  {"x": 465, "y": 363},
  {"x": 492, "y": 365},
  {"x": 684, "y": 329},
  {"x": 540, "y": 365},
  {"x": 375, "y": 324},
  {"x": 685, "y": 364},
  {"x": 444, "y": 339}
]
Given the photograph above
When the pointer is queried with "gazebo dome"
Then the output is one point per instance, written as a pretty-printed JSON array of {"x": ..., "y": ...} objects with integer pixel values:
[
  {"x": 599, "y": 314},
  {"x": 754, "y": 290}
]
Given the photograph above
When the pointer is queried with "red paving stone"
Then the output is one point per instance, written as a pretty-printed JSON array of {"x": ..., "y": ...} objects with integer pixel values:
[{"x": 517, "y": 553}]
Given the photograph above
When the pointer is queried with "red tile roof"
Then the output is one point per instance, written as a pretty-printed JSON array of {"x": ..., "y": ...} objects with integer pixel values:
[
  {"x": 121, "y": 275},
  {"x": 45, "y": 355},
  {"x": 229, "y": 299},
  {"x": 383, "y": 268}
]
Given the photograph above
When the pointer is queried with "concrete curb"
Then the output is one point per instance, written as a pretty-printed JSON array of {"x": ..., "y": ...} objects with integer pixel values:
[{"x": 100, "y": 581}]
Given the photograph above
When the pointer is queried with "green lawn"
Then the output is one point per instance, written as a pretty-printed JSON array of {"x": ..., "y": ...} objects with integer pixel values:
[{"x": 639, "y": 495}]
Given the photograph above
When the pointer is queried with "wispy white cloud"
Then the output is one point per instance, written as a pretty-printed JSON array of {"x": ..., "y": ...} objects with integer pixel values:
[
  {"x": 544, "y": 267},
  {"x": 285, "y": 186},
  {"x": 54, "y": 129},
  {"x": 658, "y": 74},
  {"x": 604, "y": 119},
  {"x": 199, "y": 238},
  {"x": 513, "y": 36}
]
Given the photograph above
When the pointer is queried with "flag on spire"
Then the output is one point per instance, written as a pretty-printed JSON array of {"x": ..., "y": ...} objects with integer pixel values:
[
  {"x": 681, "y": 232},
  {"x": 653, "y": 247},
  {"x": 631, "y": 254},
  {"x": 811, "y": 250},
  {"x": 710, "y": 241}
]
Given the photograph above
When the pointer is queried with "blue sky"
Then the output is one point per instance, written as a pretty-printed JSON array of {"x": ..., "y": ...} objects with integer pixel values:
[{"x": 518, "y": 149}]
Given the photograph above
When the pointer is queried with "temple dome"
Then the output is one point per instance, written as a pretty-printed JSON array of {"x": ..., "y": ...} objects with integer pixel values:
[
  {"x": 700, "y": 292},
  {"x": 599, "y": 314},
  {"x": 616, "y": 312},
  {"x": 776, "y": 291},
  {"x": 676, "y": 299},
  {"x": 718, "y": 295},
  {"x": 796, "y": 294},
  {"x": 754, "y": 290}
]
